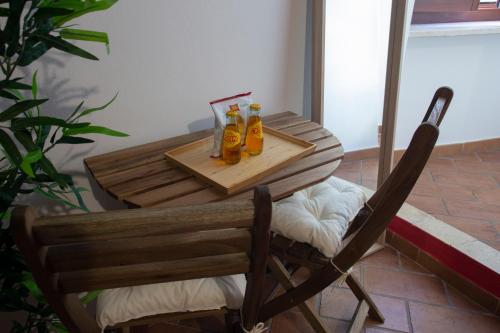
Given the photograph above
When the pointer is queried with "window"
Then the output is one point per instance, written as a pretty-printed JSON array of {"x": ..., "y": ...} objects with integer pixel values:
[{"x": 446, "y": 11}]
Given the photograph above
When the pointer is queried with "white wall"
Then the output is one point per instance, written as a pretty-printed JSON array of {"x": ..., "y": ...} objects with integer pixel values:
[
  {"x": 467, "y": 64},
  {"x": 357, "y": 35},
  {"x": 169, "y": 59}
]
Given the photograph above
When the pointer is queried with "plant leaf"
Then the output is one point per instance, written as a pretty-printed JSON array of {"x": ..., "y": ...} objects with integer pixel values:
[
  {"x": 61, "y": 44},
  {"x": 47, "y": 12},
  {"x": 9, "y": 95},
  {"x": 34, "y": 85},
  {"x": 78, "y": 107},
  {"x": 52, "y": 196},
  {"x": 80, "y": 7},
  {"x": 93, "y": 129},
  {"x": 86, "y": 35},
  {"x": 10, "y": 148},
  {"x": 89, "y": 111},
  {"x": 30, "y": 158},
  {"x": 12, "y": 28},
  {"x": 58, "y": 327},
  {"x": 73, "y": 140},
  {"x": 45, "y": 164},
  {"x": 90, "y": 296},
  {"x": 19, "y": 108},
  {"x": 33, "y": 50},
  {"x": 76, "y": 191},
  {"x": 31, "y": 285},
  {"x": 18, "y": 124},
  {"x": 14, "y": 84}
]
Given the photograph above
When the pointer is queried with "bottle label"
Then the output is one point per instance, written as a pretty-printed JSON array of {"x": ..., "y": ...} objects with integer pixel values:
[
  {"x": 255, "y": 130},
  {"x": 231, "y": 138}
]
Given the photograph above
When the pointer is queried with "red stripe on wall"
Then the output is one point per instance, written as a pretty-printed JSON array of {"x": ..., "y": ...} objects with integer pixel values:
[{"x": 447, "y": 255}]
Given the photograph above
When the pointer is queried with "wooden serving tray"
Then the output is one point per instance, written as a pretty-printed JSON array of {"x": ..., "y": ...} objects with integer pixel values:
[{"x": 280, "y": 149}]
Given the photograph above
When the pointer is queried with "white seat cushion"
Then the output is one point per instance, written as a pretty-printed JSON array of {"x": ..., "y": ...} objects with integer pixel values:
[
  {"x": 123, "y": 304},
  {"x": 319, "y": 215}
]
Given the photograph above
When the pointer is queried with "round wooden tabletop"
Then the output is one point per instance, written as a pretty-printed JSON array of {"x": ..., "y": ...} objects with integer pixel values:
[{"x": 141, "y": 176}]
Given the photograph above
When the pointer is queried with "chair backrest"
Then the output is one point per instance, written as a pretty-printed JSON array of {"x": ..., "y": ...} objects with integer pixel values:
[
  {"x": 76, "y": 253},
  {"x": 375, "y": 216}
]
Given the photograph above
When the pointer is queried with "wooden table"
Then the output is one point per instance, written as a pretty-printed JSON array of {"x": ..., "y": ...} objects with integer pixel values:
[{"x": 141, "y": 177}]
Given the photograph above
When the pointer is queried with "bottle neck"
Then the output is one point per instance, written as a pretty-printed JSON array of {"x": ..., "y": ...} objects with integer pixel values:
[
  {"x": 231, "y": 120},
  {"x": 254, "y": 113}
]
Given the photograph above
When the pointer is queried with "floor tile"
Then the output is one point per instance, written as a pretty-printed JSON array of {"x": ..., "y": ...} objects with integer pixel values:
[
  {"x": 405, "y": 285},
  {"x": 473, "y": 181},
  {"x": 440, "y": 190},
  {"x": 475, "y": 210},
  {"x": 472, "y": 156},
  {"x": 494, "y": 244},
  {"x": 350, "y": 166},
  {"x": 411, "y": 266},
  {"x": 490, "y": 156},
  {"x": 369, "y": 169},
  {"x": 338, "y": 303},
  {"x": 491, "y": 196},
  {"x": 440, "y": 164},
  {"x": 377, "y": 330},
  {"x": 394, "y": 311},
  {"x": 352, "y": 176},
  {"x": 430, "y": 318},
  {"x": 483, "y": 230},
  {"x": 455, "y": 192},
  {"x": 369, "y": 183},
  {"x": 386, "y": 257},
  {"x": 477, "y": 166},
  {"x": 430, "y": 205},
  {"x": 294, "y": 322}
]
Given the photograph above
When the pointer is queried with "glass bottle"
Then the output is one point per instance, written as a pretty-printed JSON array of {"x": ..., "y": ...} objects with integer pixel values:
[
  {"x": 231, "y": 139},
  {"x": 241, "y": 123},
  {"x": 255, "y": 137}
]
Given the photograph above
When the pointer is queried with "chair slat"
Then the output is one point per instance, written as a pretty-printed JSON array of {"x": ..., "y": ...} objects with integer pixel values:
[
  {"x": 140, "y": 223},
  {"x": 133, "y": 275},
  {"x": 81, "y": 256}
]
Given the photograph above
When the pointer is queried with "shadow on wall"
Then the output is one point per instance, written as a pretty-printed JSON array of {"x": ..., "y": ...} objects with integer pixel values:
[
  {"x": 201, "y": 124},
  {"x": 63, "y": 99}
]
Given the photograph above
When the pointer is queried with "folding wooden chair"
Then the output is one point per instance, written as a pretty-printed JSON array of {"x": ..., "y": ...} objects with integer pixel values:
[
  {"x": 73, "y": 254},
  {"x": 364, "y": 230}
]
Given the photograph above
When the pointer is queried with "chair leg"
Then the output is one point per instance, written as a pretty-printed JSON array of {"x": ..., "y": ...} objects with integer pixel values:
[
  {"x": 284, "y": 278},
  {"x": 362, "y": 295},
  {"x": 232, "y": 320},
  {"x": 358, "y": 320}
]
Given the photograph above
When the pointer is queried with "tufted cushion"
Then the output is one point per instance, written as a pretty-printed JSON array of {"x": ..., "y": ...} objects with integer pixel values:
[
  {"x": 319, "y": 215},
  {"x": 123, "y": 304}
]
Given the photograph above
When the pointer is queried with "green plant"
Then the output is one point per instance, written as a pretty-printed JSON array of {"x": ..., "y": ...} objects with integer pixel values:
[{"x": 29, "y": 29}]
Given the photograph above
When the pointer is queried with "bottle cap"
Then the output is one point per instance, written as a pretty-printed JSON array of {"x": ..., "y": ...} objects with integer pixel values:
[
  {"x": 232, "y": 113},
  {"x": 255, "y": 107}
]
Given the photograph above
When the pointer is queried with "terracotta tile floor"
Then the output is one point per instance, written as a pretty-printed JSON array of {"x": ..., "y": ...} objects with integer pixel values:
[
  {"x": 461, "y": 190},
  {"x": 411, "y": 299}
]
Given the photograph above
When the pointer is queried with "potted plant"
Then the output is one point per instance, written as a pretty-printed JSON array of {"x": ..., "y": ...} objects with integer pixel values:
[{"x": 29, "y": 29}]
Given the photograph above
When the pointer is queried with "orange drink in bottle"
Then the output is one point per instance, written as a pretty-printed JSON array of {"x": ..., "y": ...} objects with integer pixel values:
[
  {"x": 240, "y": 122},
  {"x": 255, "y": 137},
  {"x": 231, "y": 139}
]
